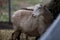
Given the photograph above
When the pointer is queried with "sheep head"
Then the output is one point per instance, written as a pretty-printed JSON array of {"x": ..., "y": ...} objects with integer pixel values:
[{"x": 38, "y": 9}]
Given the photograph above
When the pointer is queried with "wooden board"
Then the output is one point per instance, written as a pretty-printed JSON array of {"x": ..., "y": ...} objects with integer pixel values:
[{"x": 6, "y": 25}]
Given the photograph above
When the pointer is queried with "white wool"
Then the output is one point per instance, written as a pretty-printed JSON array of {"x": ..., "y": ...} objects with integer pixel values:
[
  {"x": 16, "y": 12},
  {"x": 37, "y": 9}
]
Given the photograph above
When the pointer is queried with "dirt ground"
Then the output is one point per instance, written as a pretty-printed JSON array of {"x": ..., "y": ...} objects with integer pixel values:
[{"x": 6, "y": 35}]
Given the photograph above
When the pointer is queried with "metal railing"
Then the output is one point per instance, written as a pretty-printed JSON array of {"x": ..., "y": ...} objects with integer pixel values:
[
  {"x": 10, "y": 11},
  {"x": 53, "y": 32}
]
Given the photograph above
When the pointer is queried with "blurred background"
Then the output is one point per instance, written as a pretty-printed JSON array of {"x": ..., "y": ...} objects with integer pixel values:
[
  {"x": 16, "y": 5},
  {"x": 5, "y": 34}
]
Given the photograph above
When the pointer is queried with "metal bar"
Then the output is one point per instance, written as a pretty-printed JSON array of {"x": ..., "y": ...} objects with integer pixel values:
[
  {"x": 53, "y": 32},
  {"x": 9, "y": 11}
]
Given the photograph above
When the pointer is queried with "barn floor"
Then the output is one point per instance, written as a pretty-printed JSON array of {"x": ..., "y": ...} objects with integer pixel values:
[
  {"x": 6, "y": 35},
  {"x": 6, "y": 31}
]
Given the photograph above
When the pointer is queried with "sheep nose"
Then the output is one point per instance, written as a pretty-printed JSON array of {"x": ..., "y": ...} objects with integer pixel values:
[{"x": 34, "y": 16}]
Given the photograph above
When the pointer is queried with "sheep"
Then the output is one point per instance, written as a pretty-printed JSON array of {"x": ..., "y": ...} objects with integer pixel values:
[
  {"x": 32, "y": 23},
  {"x": 27, "y": 9}
]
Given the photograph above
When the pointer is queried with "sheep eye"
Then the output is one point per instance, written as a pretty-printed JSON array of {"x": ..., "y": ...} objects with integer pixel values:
[{"x": 39, "y": 8}]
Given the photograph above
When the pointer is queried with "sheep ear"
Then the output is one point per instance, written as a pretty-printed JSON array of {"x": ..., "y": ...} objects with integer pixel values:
[{"x": 45, "y": 2}]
